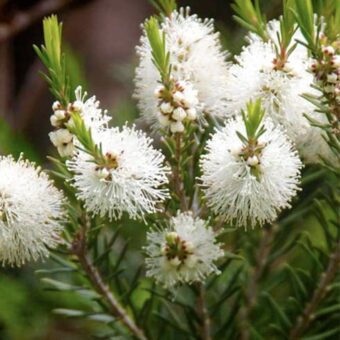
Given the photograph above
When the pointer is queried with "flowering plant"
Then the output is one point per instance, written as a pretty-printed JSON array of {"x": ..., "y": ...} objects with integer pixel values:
[{"x": 221, "y": 189}]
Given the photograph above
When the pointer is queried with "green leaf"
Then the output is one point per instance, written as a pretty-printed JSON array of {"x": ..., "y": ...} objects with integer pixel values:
[
  {"x": 54, "y": 60},
  {"x": 277, "y": 310},
  {"x": 304, "y": 15},
  {"x": 249, "y": 15},
  {"x": 165, "y": 7},
  {"x": 160, "y": 56},
  {"x": 325, "y": 335}
]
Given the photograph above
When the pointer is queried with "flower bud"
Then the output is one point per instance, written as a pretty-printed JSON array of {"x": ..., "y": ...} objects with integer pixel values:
[
  {"x": 166, "y": 107},
  {"x": 158, "y": 91},
  {"x": 171, "y": 237},
  {"x": 60, "y": 137},
  {"x": 336, "y": 60},
  {"x": 192, "y": 114},
  {"x": 54, "y": 121},
  {"x": 56, "y": 106},
  {"x": 175, "y": 261},
  {"x": 176, "y": 127},
  {"x": 66, "y": 150},
  {"x": 332, "y": 78},
  {"x": 328, "y": 50},
  {"x": 179, "y": 114},
  {"x": 178, "y": 96},
  {"x": 77, "y": 105},
  {"x": 164, "y": 120},
  {"x": 253, "y": 161},
  {"x": 102, "y": 173}
]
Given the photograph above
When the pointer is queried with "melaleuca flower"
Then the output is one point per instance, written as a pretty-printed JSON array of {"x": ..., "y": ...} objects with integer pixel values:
[
  {"x": 255, "y": 75},
  {"x": 129, "y": 178},
  {"x": 185, "y": 252},
  {"x": 258, "y": 75},
  {"x": 249, "y": 185},
  {"x": 89, "y": 110},
  {"x": 31, "y": 212},
  {"x": 198, "y": 71}
]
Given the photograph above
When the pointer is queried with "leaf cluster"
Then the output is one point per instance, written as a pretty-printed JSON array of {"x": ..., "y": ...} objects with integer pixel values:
[
  {"x": 160, "y": 56},
  {"x": 51, "y": 55},
  {"x": 165, "y": 7},
  {"x": 249, "y": 16}
]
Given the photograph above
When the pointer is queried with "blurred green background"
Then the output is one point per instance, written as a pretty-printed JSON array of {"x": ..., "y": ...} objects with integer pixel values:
[{"x": 100, "y": 36}]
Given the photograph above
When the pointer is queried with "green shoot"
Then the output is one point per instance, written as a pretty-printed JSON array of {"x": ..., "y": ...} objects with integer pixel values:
[
  {"x": 304, "y": 15},
  {"x": 165, "y": 7},
  {"x": 160, "y": 56},
  {"x": 250, "y": 17},
  {"x": 52, "y": 57},
  {"x": 252, "y": 118}
]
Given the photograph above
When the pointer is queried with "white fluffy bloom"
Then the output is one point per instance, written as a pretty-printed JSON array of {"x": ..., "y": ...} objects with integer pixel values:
[
  {"x": 231, "y": 187},
  {"x": 31, "y": 212},
  {"x": 129, "y": 181},
  {"x": 254, "y": 76},
  {"x": 198, "y": 64},
  {"x": 184, "y": 252}
]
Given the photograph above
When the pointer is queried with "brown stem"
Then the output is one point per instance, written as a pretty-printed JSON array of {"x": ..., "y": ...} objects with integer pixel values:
[
  {"x": 23, "y": 20},
  {"x": 80, "y": 250},
  {"x": 178, "y": 183},
  {"x": 303, "y": 321},
  {"x": 254, "y": 277},
  {"x": 202, "y": 309}
]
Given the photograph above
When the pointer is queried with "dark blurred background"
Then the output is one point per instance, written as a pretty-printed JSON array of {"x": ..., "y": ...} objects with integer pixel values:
[{"x": 100, "y": 38}]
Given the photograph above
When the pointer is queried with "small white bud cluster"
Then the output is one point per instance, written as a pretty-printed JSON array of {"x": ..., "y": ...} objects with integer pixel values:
[
  {"x": 61, "y": 138},
  {"x": 250, "y": 153},
  {"x": 61, "y": 119},
  {"x": 327, "y": 71},
  {"x": 103, "y": 171},
  {"x": 177, "y": 105},
  {"x": 178, "y": 252}
]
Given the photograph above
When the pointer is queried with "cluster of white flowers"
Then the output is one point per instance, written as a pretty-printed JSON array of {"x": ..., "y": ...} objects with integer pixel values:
[
  {"x": 177, "y": 105},
  {"x": 246, "y": 180},
  {"x": 257, "y": 75},
  {"x": 129, "y": 180},
  {"x": 249, "y": 190},
  {"x": 93, "y": 116},
  {"x": 198, "y": 66},
  {"x": 31, "y": 212},
  {"x": 183, "y": 253},
  {"x": 327, "y": 71}
]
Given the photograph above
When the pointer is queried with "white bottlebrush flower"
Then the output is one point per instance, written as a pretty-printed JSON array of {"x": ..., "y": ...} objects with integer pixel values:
[
  {"x": 248, "y": 191},
  {"x": 31, "y": 212},
  {"x": 255, "y": 76},
  {"x": 183, "y": 253},
  {"x": 131, "y": 179},
  {"x": 198, "y": 65}
]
